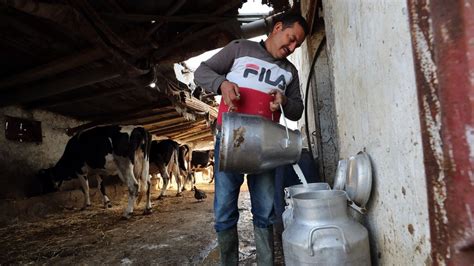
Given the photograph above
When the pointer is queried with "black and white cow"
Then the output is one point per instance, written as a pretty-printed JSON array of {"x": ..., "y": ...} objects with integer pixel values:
[
  {"x": 202, "y": 160},
  {"x": 184, "y": 162},
  {"x": 105, "y": 151},
  {"x": 164, "y": 160}
]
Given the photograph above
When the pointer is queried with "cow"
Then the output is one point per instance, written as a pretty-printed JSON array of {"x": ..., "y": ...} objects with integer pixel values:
[
  {"x": 202, "y": 160},
  {"x": 164, "y": 160},
  {"x": 184, "y": 162},
  {"x": 105, "y": 151}
]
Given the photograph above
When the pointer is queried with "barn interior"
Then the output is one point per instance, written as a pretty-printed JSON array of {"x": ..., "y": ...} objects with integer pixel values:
[
  {"x": 108, "y": 62},
  {"x": 389, "y": 78},
  {"x": 67, "y": 66},
  {"x": 111, "y": 62}
]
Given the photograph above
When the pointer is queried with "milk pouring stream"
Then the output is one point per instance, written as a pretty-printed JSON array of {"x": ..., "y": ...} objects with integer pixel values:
[{"x": 300, "y": 174}]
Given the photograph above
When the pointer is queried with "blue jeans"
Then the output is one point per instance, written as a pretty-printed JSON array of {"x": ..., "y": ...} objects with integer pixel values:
[{"x": 227, "y": 187}]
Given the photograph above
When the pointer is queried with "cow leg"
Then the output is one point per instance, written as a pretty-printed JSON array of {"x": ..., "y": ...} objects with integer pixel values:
[
  {"x": 164, "y": 174},
  {"x": 85, "y": 189},
  {"x": 193, "y": 179},
  {"x": 133, "y": 187},
  {"x": 181, "y": 174},
  {"x": 157, "y": 180},
  {"x": 212, "y": 177},
  {"x": 189, "y": 180},
  {"x": 132, "y": 197},
  {"x": 145, "y": 178},
  {"x": 148, "y": 198},
  {"x": 179, "y": 185},
  {"x": 175, "y": 168},
  {"x": 186, "y": 179},
  {"x": 107, "y": 203},
  {"x": 126, "y": 175}
]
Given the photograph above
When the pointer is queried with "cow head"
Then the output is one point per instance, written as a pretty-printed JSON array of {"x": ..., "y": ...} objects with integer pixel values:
[{"x": 49, "y": 180}]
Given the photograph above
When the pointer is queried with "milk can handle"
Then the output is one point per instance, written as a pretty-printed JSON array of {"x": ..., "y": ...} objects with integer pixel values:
[
  {"x": 353, "y": 205},
  {"x": 287, "y": 141},
  {"x": 310, "y": 242},
  {"x": 288, "y": 199},
  {"x": 287, "y": 193}
]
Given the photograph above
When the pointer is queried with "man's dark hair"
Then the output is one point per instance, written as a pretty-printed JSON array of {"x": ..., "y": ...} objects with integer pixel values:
[{"x": 288, "y": 19}]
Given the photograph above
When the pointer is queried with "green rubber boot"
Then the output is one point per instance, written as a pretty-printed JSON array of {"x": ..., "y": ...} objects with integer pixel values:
[
  {"x": 264, "y": 244},
  {"x": 228, "y": 242}
]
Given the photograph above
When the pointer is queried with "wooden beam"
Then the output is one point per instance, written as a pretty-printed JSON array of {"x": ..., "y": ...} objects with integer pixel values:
[
  {"x": 188, "y": 134},
  {"x": 166, "y": 122},
  {"x": 151, "y": 118},
  {"x": 172, "y": 128},
  {"x": 52, "y": 103},
  {"x": 195, "y": 32},
  {"x": 169, "y": 133},
  {"x": 192, "y": 131},
  {"x": 190, "y": 18},
  {"x": 207, "y": 135},
  {"x": 198, "y": 18},
  {"x": 56, "y": 86},
  {"x": 132, "y": 113},
  {"x": 175, "y": 128},
  {"x": 113, "y": 118},
  {"x": 53, "y": 68},
  {"x": 192, "y": 102},
  {"x": 196, "y": 104}
]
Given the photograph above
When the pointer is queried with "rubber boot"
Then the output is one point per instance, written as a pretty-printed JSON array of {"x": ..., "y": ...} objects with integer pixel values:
[
  {"x": 228, "y": 242},
  {"x": 264, "y": 244}
]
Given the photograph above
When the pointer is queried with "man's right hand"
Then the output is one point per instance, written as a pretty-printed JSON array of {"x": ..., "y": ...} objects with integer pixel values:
[{"x": 230, "y": 93}]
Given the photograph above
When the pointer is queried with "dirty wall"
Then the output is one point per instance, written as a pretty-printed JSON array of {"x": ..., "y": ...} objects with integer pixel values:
[
  {"x": 19, "y": 161},
  {"x": 376, "y": 109}
]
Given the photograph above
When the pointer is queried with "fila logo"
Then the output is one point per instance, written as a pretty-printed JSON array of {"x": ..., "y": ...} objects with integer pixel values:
[{"x": 264, "y": 75}]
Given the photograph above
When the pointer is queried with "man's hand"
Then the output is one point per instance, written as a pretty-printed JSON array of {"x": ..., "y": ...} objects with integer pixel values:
[
  {"x": 278, "y": 98},
  {"x": 230, "y": 93}
]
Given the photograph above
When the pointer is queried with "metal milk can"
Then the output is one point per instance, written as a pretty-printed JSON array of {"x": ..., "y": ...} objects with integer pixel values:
[
  {"x": 253, "y": 144},
  {"x": 322, "y": 233},
  {"x": 318, "y": 230},
  {"x": 287, "y": 215}
]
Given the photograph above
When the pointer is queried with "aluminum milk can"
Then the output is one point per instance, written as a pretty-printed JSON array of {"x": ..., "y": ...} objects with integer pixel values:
[
  {"x": 322, "y": 233},
  {"x": 253, "y": 144},
  {"x": 287, "y": 215}
]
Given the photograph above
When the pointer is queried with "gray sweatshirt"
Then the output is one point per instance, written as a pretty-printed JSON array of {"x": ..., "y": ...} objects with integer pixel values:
[{"x": 256, "y": 72}]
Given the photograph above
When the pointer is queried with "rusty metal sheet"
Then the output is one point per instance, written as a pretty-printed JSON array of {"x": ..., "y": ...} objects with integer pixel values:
[{"x": 443, "y": 44}]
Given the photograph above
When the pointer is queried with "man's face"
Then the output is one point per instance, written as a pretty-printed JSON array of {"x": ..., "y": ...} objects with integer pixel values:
[{"x": 285, "y": 41}]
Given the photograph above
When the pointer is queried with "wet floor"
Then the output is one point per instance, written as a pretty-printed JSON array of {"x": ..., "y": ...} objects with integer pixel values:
[{"x": 247, "y": 250}]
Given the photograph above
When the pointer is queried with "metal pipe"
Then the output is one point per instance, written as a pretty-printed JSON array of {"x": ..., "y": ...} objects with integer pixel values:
[{"x": 257, "y": 27}]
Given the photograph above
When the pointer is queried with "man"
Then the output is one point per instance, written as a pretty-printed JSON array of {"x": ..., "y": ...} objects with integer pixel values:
[{"x": 253, "y": 78}]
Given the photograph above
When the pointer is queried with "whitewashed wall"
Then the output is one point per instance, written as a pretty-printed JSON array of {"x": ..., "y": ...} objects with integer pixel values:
[
  {"x": 19, "y": 161},
  {"x": 372, "y": 75}
]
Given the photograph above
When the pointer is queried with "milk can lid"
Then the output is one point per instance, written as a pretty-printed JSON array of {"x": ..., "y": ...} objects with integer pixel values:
[{"x": 355, "y": 177}]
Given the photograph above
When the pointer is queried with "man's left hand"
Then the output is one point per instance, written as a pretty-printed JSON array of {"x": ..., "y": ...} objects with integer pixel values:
[{"x": 278, "y": 98}]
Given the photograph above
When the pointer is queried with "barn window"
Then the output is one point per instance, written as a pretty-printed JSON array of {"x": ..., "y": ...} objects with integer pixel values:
[{"x": 19, "y": 129}]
